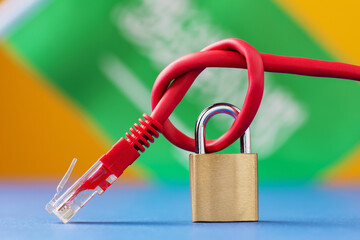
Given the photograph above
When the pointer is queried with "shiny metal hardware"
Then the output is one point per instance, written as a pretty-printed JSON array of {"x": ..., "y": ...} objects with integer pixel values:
[
  {"x": 205, "y": 115},
  {"x": 224, "y": 187}
]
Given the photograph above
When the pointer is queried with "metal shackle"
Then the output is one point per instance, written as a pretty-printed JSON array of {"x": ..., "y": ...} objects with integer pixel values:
[{"x": 209, "y": 112}]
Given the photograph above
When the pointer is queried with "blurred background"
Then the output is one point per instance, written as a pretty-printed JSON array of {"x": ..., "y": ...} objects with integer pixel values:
[{"x": 76, "y": 75}]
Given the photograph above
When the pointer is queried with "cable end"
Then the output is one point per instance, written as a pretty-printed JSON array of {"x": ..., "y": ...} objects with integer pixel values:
[
  {"x": 104, "y": 172},
  {"x": 96, "y": 180}
]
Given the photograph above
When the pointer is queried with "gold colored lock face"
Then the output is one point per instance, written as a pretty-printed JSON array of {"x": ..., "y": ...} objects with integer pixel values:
[{"x": 224, "y": 187}]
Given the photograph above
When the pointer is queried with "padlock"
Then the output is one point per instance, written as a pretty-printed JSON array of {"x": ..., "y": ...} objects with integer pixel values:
[{"x": 224, "y": 187}]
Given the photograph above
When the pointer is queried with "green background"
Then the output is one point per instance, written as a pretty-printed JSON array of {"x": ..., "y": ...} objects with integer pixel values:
[{"x": 304, "y": 125}]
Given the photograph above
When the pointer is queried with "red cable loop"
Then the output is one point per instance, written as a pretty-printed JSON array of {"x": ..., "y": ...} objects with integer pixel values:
[{"x": 231, "y": 53}]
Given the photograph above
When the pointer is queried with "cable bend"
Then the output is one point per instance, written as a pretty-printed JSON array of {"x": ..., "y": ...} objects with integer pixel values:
[
  {"x": 230, "y": 53},
  {"x": 164, "y": 99}
]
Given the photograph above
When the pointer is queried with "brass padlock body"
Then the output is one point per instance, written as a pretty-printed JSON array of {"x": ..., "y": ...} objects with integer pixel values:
[{"x": 224, "y": 187}]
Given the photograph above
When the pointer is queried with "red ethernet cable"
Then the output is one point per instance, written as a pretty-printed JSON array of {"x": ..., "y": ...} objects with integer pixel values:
[
  {"x": 169, "y": 89},
  {"x": 164, "y": 99}
]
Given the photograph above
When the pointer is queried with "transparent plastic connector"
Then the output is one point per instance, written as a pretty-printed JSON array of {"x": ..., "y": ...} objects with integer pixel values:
[{"x": 96, "y": 180}]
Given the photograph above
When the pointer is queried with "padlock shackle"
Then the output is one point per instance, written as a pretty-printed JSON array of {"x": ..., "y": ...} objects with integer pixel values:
[{"x": 204, "y": 117}]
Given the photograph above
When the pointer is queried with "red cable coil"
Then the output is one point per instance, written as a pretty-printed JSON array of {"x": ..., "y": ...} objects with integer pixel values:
[{"x": 231, "y": 53}]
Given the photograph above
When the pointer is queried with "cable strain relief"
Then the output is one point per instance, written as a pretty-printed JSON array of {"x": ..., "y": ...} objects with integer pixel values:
[{"x": 142, "y": 135}]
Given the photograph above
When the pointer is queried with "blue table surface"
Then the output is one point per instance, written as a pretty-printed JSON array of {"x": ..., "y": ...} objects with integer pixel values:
[{"x": 164, "y": 212}]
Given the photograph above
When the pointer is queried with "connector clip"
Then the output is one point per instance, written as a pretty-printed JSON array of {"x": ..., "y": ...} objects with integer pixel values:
[
  {"x": 50, "y": 206},
  {"x": 104, "y": 172},
  {"x": 96, "y": 180}
]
